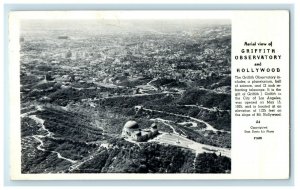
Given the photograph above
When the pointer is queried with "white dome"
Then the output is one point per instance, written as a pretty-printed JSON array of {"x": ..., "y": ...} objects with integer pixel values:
[
  {"x": 153, "y": 125},
  {"x": 131, "y": 125}
]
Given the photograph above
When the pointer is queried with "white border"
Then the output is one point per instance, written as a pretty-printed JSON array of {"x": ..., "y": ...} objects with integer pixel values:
[{"x": 6, "y": 184}]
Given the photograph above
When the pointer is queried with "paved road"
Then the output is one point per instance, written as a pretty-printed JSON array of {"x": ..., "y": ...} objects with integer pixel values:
[{"x": 178, "y": 140}]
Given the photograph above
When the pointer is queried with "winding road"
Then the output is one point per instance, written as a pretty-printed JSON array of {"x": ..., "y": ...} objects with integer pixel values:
[
  {"x": 205, "y": 108},
  {"x": 49, "y": 134},
  {"x": 208, "y": 126}
]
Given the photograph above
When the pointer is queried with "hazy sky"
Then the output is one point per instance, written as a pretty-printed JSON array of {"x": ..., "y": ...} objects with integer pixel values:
[{"x": 110, "y": 25}]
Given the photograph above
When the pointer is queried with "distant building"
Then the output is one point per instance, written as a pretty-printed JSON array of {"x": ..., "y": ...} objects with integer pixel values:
[
  {"x": 63, "y": 37},
  {"x": 132, "y": 131}
]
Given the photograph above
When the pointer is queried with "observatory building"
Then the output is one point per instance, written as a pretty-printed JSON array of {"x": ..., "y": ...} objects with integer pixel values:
[{"x": 132, "y": 131}]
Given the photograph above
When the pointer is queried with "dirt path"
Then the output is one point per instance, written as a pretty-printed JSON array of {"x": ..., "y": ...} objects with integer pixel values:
[
  {"x": 78, "y": 164},
  {"x": 208, "y": 126},
  {"x": 49, "y": 134},
  {"x": 149, "y": 84},
  {"x": 138, "y": 95},
  {"x": 41, "y": 123},
  {"x": 205, "y": 108}
]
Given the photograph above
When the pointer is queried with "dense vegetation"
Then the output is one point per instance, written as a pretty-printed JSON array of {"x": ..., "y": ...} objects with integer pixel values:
[
  {"x": 211, "y": 163},
  {"x": 70, "y": 125},
  {"x": 148, "y": 158},
  {"x": 36, "y": 161},
  {"x": 153, "y": 158},
  {"x": 71, "y": 149},
  {"x": 206, "y": 98}
]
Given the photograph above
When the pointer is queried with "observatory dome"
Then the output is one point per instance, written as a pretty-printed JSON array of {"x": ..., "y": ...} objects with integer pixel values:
[{"x": 131, "y": 125}]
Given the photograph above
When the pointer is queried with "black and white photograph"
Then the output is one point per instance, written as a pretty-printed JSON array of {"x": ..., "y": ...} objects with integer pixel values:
[{"x": 125, "y": 96}]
